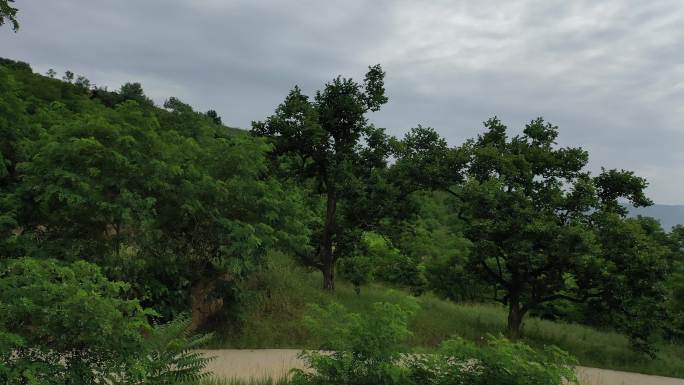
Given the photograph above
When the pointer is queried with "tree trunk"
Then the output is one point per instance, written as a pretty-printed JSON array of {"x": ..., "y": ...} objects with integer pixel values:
[
  {"x": 328, "y": 276},
  {"x": 515, "y": 318},
  {"x": 327, "y": 255},
  {"x": 203, "y": 304}
]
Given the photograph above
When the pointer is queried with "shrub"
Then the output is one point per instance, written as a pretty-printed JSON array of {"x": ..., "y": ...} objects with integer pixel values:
[
  {"x": 368, "y": 350},
  {"x": 364, "y": 350},
  {"x": 66, "y": 324},
  {"x": 170, "y": 357},
  {"x": 357, "y": 269},
  {"x": 499, "y": 361}
]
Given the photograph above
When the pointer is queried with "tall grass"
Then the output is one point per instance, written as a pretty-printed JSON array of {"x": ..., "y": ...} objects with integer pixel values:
[{"x": 277, "y": 299}]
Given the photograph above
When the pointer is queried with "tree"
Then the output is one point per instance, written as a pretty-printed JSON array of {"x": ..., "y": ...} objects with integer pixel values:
[
  {"x": 83, "y": 82},
  {"x": 630, "y": 282},
  {"x": 675, "y": 286},
  {"x": 392, "y": 265},
  {"x": 435, "y": 238},
  {"x": 328, "y": 145},
  {"x": 86, "y": 181},
  {"x": 534, "y": 216},
  {"x": 534, "y": 212},
  {"x": 14, "y": 127},
  {"x": 134, "y": 91},
  {"x": 68, "y": 76},
  {"x": 9, "y": 13},
  {"x": 214, "y": 116}
]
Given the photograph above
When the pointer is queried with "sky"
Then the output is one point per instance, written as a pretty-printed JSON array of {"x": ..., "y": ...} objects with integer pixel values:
[{"x": 609, "y": 73}]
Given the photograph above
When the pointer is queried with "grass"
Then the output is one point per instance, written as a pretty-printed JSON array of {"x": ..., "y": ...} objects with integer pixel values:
[{"x": 277, "y": 299}]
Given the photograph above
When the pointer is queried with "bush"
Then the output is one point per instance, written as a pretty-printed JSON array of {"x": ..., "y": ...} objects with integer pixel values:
[
  {"x": 170, "y": 357},
  {"x": 368, "y": 350},
  {"x": 66, "y": 324},
  {"x": 358, "y": 270},
  {"x": 364, "y": 350},
  {"x": 499, "y": 361}
]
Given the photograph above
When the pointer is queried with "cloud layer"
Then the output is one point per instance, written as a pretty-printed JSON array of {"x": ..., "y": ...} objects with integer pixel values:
[{"x": 609, "y": 73}]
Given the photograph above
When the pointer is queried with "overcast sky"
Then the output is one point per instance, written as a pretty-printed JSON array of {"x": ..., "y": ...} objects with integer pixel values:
[{"x": 610, "y": 73}]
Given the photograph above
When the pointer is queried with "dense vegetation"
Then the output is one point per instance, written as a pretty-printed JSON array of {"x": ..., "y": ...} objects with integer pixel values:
[{"x": 117, "y": 215}]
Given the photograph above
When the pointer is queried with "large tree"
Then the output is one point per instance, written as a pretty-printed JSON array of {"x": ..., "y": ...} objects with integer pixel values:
[
  {"x": 327, "y": 144},
  {"x": 542, "y": 227},
  {"x": 537, "y": 221}
]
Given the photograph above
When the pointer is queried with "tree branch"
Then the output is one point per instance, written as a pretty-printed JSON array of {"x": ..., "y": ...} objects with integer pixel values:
[{"x": 496, "y": 277}]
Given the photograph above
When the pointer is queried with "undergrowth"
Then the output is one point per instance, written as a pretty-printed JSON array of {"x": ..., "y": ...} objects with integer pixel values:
[{"x": 276, "y": 300}]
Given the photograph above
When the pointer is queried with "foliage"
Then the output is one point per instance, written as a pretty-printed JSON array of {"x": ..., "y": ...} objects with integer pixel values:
[
  {"x": 435, "y": 251},
  {"x": 66, "y": 323},
  {"x": 675, "y": 287},
  {"x": 426, "y": 162},
  {"x": 277, "y": 297},
  {"x": 499, "y": 361},
  {"x": 537, "y": 222},
  {"x": 171, "y": 357},
  {"x": 633, "y": 276},
  {"x": 358, "y": 270},
  {"x": 9, "y": 13},
  {"x": 167, "y": 199},
  {"x": 327, "y": 145},
  {"x": 378, "y": 259},
  {"x": 365, "y": 349}
]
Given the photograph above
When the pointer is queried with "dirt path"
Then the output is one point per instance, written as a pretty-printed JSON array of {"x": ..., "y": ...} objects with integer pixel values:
[
  {"x": 233, "y": 363},
  {"x": 593, "y": 376}
]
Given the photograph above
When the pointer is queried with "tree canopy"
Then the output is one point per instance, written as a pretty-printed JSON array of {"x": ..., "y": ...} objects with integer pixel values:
[{"x": 539, "y": 224}]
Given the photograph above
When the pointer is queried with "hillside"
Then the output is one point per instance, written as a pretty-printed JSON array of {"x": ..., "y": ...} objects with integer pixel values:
[{"x": 176, "y": 204}]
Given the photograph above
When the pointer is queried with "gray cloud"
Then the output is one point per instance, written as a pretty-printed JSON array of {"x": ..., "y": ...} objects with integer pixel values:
[{"x": 609, "y": 73}]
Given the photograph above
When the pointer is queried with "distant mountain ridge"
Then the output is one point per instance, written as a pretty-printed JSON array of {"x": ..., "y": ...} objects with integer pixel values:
[{"x": 668, "y": 215}]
